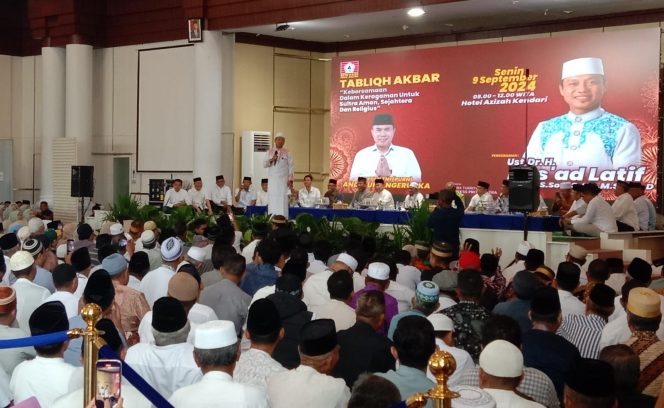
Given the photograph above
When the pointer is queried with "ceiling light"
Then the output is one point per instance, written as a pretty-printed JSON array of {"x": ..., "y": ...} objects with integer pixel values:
[
  {"x": 416, "y": 12},
  {"x": 568, "y": 11},
  {"x": 449, "y": 25}
]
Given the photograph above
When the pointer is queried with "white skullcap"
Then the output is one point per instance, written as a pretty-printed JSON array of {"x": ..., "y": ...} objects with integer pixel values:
[
  {"x": 501, "y": 358},
  {"x": 147, "y": 237},
  {"x": 196, "y": 253},
  {"x": 524, "y": 247},
  {"x": 21, "y": 260},
  {"x": 171, "y": 249},
  {"x": 215, "y": 334},
  {"x": 565, "y": 185},
  {"x": 582, "y": 66},
  {"x": 61, "y": 251},
  {"x": 23, "y": 233},
  {"x": 414, "y": 184},
  {"x": 379, "y": 271},
  {"x": 279, "y": 134},
  {"x": 348, "y": 260},
  {"x": 35, "y": 224},
  {"x": 472, "y": 397},
  {"x": 116, "y": 229},
  {"x": 440, "y": 322}
]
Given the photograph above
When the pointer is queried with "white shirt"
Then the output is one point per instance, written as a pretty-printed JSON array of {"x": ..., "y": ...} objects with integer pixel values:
[
  {"x": 45, "y": 378},
  {"x": 134, "y": 283},
  {"x": 278, "y": 174},
  {"x": 308, "y": 198},
  {"x": 198, "y": 314},
  {"x": 409, "y": 276},
  {"x": 579, "y": 206},
  {"x": 599, "y": 214},
  {"x": 249, "y": 249},
  {"x": 510, "y": 272},
  {"x": 174, "y": 197},
  {"x": 509, "y": 399},
  {"x": 401, "y": 293},
  {"x": 624, "y": 210},
  {"x": 131, "y": 396},
  {"x": 155, "y": 283},
  {"x": 569, "y": 304},
  {"x": 383, "y": 199},
  {"x": 305, "y": 387},
  {"x": 69, "y": 300},
  {"x": 261, "y": 197},
  {"x": 413, "y": 201},
  {"x": 197, "y": 198},
  {"x": 256, "y": 367},
  {"x": 645, "y": 210},
  {"x": 486, "y": 199},
  {"x": 82, "y": 282},
  {"x": 217, "y": 389},
  {"x": 342, "y": 314},
  {"x": 246, "y": 197},
  {"x": 463, "y": 362},
  {"x": 166, "y": 368},
  {"x": 314, "y": 290},
  {"x": 263, "y": 292},
  {"x": 315, "y": 266},
  {"x": 28, "y": 297},
  {"x": 401, "y": 161},
  {"x": 219, "y": 195},
  {"x": 579, "y": 140}
]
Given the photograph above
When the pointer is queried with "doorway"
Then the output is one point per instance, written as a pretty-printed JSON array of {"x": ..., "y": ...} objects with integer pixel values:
[{"x": 120, "y": 177}]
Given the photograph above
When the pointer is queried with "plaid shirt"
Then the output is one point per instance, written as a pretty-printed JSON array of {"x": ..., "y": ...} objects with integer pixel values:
[
  {"x": 535, "y": 385},
  {"x": 496, "y": 283}
]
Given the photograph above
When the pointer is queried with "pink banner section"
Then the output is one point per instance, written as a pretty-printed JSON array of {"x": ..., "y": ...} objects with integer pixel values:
[{"x": 583, "y": 108}]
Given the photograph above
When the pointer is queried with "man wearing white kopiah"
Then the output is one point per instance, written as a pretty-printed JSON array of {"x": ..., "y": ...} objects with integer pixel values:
[
  {"x": 414, "y": 199},
  {"x": 384, "y": 159},
  {"x": 586, "y": 136},
  {"x": 279, "y": 164}
]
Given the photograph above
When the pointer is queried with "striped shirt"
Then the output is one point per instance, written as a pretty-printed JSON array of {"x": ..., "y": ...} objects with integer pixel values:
[
  {"x": 584, "y": 331},
  {"x": 535, "y": 385}
]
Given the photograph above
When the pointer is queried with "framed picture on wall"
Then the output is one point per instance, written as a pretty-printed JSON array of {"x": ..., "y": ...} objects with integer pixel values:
[{"x": 195, "y": 30}]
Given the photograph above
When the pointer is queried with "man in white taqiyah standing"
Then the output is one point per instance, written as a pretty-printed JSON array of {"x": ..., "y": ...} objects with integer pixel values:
[{"x": 279, "y": 163}]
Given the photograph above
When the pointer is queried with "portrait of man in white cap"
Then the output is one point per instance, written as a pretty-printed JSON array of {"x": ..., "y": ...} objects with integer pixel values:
[
  {"x": 586, "y": 136},
  {"x": 384, "y": 159}
]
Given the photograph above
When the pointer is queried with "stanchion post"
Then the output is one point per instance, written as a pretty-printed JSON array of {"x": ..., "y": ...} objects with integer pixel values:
[
  {"x": 442, "y": 366},
  {"x": 91, "y": 313}
]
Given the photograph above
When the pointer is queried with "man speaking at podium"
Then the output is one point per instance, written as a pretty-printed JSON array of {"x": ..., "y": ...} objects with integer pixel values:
[
  {"x": 384, "y": 159},
  {"x": 279, "y": 164}
]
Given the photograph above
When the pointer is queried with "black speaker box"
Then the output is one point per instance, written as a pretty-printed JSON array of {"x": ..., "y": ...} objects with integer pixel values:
[
  {"x": 82, "y": 181},
  {"x": 524, "y": 188}
]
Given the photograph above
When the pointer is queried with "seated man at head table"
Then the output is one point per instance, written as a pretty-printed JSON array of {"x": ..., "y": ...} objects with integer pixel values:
[
  {"x": 308, "y": 196},
  {"x": 176, "y": 196},
  {"x": 362, "y": 195},
  {"x": 382, "y": 197},
  {"x": 483, "y": 199},
  {"x": 334, "y": 195}
]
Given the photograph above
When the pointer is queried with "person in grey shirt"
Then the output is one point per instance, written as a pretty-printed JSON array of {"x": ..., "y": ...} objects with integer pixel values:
[
  {"x": 225, "y": 297},
  {"x": 362, "y": 193}
]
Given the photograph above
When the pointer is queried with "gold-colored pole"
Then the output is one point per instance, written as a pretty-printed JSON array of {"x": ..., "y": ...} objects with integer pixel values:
[
  {"x": 91, "y": 313},
  {"x": 442, "y": 366}
]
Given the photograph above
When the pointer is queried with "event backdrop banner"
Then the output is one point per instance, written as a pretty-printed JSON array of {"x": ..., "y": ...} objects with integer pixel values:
[{"x": 466, "y": 113}]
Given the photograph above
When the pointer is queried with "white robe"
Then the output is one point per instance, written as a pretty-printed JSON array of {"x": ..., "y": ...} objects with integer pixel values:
[{"x": 278, "y": 175}]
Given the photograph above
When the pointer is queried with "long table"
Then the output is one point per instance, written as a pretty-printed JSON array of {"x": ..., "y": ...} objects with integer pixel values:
[{"x": 470, "y": 220}]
